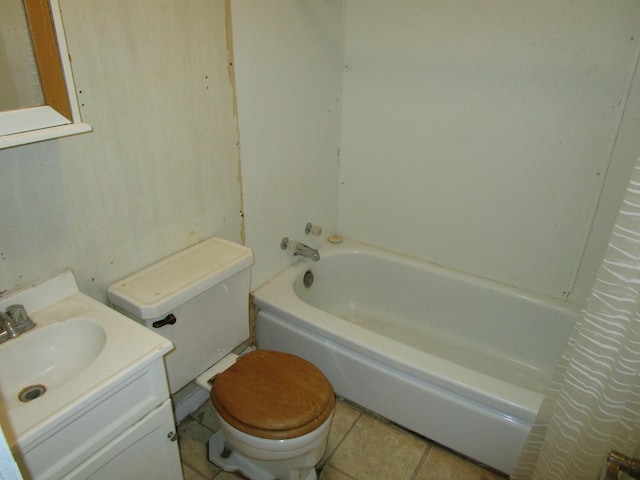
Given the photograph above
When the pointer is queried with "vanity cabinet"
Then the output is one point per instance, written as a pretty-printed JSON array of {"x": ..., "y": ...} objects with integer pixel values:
[
  {"x": 126, "y": 434},
  {"x": 145, "y": 450}
]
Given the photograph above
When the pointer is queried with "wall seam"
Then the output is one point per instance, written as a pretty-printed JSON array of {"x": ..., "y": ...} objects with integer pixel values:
[{"x": 605, "y": 174}]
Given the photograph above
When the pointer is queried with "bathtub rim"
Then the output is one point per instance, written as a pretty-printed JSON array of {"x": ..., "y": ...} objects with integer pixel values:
[{"x": 278, "y": 296}]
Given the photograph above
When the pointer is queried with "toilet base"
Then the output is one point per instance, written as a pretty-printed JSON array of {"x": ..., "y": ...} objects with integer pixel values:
[{"x": 250, "y": 468}]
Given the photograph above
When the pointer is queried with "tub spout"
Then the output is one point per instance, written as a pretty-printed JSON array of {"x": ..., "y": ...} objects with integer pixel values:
[
  {"x": 306, "y": 251},
  {"x": 300, "y": 249}
]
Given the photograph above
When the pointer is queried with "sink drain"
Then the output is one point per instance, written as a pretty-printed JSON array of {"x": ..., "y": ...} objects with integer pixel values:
[{"x": 31, "y": 392}]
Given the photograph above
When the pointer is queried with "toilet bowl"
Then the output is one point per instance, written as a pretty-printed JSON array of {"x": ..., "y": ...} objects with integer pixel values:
[
  {"x": 275, "y": 409},
  {"x": 293, "y": 460}
]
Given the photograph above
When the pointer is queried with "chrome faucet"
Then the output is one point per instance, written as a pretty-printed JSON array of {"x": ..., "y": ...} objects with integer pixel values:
[
  {"x": 14, "y": 322},
  {"x": 7, "y": 327},
  {"x": 300, "y": 249},
  {"x": 617, "y": 462}
]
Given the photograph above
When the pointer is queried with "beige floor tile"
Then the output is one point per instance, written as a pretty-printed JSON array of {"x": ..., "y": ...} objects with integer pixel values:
[
  {"x": 329, "y": 473},
  {"x": 206, "y": 416},
  {"x": 443, "y": 465},
  {"x": 343, "y": 419},
  {"x": 374, "y": 450},
  {"x": 193, "y": 438},
  {"x": 229, "y": 476},
  {"x": 361, "y": 447},
  {"x": 190, "y": 474}
]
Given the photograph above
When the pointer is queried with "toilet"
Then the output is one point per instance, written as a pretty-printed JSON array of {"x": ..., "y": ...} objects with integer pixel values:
[{"x": 275, "y": 409}]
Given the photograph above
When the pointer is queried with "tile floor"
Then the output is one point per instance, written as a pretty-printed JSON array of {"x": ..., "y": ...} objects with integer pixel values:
[{"x": 361, "y": 447}]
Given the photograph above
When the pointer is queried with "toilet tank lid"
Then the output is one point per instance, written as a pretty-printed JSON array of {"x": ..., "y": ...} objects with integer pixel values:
[{"x": 156, "y": 290}]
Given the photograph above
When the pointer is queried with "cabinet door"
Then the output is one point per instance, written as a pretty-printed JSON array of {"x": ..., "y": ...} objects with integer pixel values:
[{"x": 146, "y": 450}]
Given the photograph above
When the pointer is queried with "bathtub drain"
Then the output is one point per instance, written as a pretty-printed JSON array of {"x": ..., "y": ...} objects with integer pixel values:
[{"x": 31, "y": 392}]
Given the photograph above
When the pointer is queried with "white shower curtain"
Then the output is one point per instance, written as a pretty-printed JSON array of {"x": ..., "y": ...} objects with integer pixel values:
[{"x": 593, "y": 403}]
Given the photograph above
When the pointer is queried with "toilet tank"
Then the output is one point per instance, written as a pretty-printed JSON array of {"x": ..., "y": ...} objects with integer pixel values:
[{"x": 206, "y": 289}]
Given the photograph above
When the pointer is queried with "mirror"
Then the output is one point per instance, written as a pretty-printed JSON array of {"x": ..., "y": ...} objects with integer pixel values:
[
  {"x": 38, "y": 100},
  {"x": 18, "y": 69}
]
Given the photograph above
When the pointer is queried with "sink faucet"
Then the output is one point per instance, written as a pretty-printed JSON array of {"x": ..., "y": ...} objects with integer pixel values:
[
  {"x": 14, "y": 322},
  {"x": 7, "y": 327},
  {"x": 301, "y": 249}
]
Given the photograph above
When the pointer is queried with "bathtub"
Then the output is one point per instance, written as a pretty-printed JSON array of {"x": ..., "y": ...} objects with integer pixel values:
[{"x": 458, "y": 359}]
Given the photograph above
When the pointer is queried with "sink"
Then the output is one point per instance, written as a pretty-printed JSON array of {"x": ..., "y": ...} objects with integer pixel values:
[
  {"x": 46, "y": 358},
  {"x": 79, "y": 353}
]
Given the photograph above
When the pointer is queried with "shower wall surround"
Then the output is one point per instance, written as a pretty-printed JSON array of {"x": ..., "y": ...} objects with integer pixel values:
[
  {"x": 490, "y": 137},
  {"x": 288, "y": 71},
  {"x": 479, "y": 135}
]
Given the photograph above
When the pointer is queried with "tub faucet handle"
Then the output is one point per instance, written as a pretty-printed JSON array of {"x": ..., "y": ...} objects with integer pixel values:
[
  {"x": 311, "y": 229},
  {"x": 284, "y": 244}
]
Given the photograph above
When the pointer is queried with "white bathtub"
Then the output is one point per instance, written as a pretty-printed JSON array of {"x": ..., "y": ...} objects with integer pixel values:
[{"x": 460, "y": 360}]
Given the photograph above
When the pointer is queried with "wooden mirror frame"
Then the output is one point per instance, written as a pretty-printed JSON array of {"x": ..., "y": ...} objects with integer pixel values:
[
  {"x": 45, "y": 47},
  {"x": 60, "y": 116}
]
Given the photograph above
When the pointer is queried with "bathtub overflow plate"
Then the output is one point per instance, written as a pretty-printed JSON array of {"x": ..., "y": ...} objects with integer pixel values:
[{"x": 307, "y": 280}]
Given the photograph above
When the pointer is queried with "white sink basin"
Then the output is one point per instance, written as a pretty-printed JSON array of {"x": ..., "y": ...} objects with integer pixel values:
[
  {"x": 46, "y": 358},
  {"x": 79, "y": 351}
]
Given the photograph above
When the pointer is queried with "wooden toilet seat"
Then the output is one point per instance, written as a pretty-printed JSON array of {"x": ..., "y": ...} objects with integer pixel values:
[{"x": 273, "y": 395}]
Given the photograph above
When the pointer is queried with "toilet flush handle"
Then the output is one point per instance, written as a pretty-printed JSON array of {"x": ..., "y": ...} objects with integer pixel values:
[{"x": 168, "y": 320}]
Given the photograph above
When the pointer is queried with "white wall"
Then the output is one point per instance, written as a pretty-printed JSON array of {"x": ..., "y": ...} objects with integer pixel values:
[
  {"x": 287, "y": 59},
  {"x": 491, "y": 137},
  {"x": 159, "y": 172},
  {"x": 479, "y": 134},
  {"x": 453, "y": 122}
]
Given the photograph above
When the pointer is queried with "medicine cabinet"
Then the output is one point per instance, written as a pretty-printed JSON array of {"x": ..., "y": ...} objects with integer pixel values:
[{"x": 35, "y": 60}]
